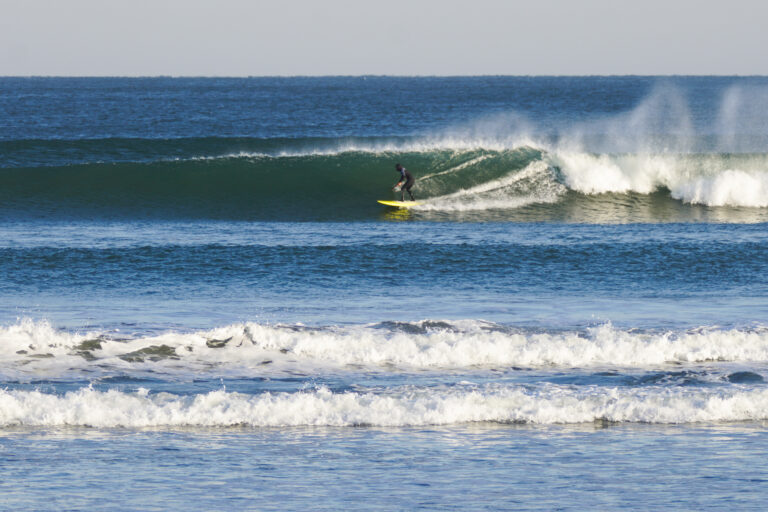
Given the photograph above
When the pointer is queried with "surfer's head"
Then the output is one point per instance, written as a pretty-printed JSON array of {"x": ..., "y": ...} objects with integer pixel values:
[{"x": 398, "y": 166}]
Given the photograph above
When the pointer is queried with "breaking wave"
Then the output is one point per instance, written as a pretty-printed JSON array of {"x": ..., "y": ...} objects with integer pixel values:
[
  {"x": 654, "y": 163},
  {"x": 422, "y": 373},
  {"x": 406, "y": 406},
  {"x": 334, "y": 179},
  {"x": 257, "y": 349}
]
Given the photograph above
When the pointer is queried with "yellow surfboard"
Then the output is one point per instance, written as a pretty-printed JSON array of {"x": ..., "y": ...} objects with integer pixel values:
[{"x": 400, "y": 204}]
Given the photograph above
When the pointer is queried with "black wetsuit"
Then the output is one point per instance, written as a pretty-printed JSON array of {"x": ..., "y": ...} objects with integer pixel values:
[{"x": 409, "y": 181}]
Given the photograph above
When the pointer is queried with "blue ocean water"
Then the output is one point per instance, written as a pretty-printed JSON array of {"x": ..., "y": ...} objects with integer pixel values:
[{"x": 203, "y": 306}]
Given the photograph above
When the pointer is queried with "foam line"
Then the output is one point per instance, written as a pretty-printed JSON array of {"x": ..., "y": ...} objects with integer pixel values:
[
  {"x": 37, "y": 346},
  {"x": 549, "y": 404}
]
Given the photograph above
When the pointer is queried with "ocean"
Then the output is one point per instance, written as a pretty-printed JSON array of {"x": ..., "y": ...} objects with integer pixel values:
[{"x": 203, "y": 307}]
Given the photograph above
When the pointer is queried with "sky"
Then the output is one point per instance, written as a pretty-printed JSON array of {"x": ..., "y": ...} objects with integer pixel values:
[{"x": 382, "y": 37}]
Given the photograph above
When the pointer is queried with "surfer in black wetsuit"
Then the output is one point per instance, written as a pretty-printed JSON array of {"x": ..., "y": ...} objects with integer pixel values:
[{"x": 406, "y": 182}]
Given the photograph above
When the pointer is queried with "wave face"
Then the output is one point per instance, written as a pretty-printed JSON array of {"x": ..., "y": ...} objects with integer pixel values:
[{"x": 322, "y": 180}]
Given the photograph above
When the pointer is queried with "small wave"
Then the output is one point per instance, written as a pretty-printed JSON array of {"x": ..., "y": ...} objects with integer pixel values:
[
  {"x": 409, "y": 406},
  {"x": 37, "y": 347}
]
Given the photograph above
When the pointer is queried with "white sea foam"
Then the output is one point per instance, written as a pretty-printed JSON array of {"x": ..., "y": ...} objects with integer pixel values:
[
  {"x": 727, "y": 188},
  {"x": 533, "y": 184},
  {"x": 544, "y": 404},
  {"x": 597, "y": 174},
  {"x": 37, "y": 347},
  {"x": 706, "y": 180},
  {"x": 29, "y": 337}
]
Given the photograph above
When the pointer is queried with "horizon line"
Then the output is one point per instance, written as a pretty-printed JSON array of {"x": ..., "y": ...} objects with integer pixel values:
[{"x": 592, "y": 75}]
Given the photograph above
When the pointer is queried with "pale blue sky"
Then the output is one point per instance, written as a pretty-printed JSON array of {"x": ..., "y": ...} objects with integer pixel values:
[{"x": 401, "y": 37}]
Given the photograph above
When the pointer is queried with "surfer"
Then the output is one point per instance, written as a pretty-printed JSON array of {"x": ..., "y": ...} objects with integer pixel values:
[{"x": 405, "y": 182}]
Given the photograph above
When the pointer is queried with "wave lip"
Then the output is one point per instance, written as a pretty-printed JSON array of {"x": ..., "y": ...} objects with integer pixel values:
[{"x": 403, "y": 407}]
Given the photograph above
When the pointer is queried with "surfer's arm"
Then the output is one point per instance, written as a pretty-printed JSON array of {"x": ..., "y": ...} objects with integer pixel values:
[{"x": 400, "y": 181}]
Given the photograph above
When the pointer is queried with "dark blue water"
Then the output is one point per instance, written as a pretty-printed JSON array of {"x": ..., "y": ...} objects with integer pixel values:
[
  {"x": 195, "y": 273},
  {"x": 169, "y": 108}
]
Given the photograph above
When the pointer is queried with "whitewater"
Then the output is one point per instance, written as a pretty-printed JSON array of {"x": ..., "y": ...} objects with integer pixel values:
[{"x": 36, "y": 346}]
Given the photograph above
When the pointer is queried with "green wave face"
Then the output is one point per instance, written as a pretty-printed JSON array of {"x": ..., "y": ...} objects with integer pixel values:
[
  {"x": 316, "y": 181},
  {"x": 342, "y": 185}
]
